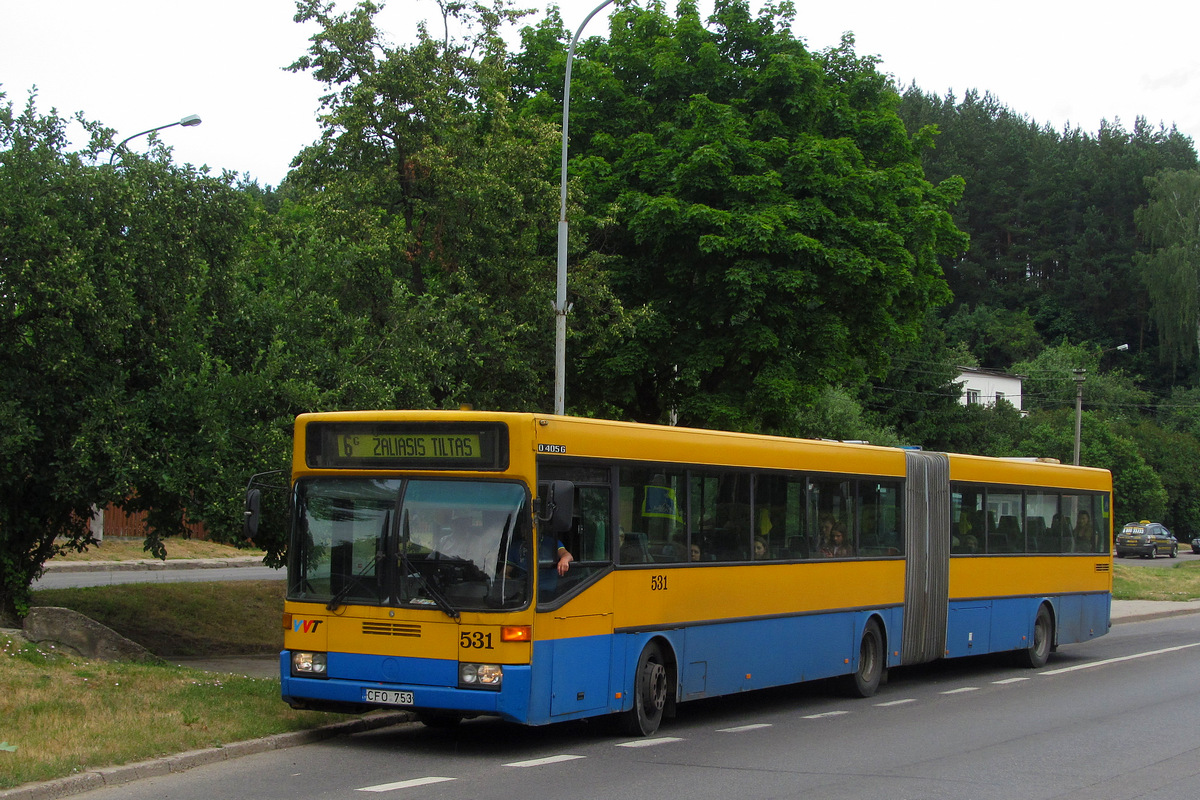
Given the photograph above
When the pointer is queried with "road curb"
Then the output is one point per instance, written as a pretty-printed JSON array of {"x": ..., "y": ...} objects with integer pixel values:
[
  {"x": 108, "y": 777},
  {"x": 1155, "y": 615}
]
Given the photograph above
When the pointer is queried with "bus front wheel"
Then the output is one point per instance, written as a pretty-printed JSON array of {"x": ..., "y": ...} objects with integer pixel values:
[{"x": 649, "y": 693}]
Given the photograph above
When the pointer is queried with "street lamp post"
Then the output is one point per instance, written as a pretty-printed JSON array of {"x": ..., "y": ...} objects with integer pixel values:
[
  {"x": 1080, "y": 375},
  {"x": 190, "y": 121},
  {"x": 560, "y": 300}
]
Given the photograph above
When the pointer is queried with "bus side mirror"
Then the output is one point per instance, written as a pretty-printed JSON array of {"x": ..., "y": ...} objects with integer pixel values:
[
  {"x": 557, "y": 506},
  {"x": 251, "y": 514}
]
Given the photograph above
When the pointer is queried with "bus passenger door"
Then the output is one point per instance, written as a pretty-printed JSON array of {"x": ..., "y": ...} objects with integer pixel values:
[
  {"x": 577, "y": 606},
  {"x": 927, "y": 556}
]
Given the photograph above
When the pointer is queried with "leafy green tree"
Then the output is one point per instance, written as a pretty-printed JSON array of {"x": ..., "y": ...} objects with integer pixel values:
[
  {"x": 1181, "y": 411},
  {"x": 766, "y": 211},
  {"x": 1049, "y": 381},
  {"x": 997, "y": 337},
  {"x": 438, "y": 200},
  {"x": 919, "y": 396},
  {"x": 1175, "y": 457},
  {"x": 994, "y": 430},
  {"x": 1050, "y": 214},
  {"x": 1170, "y": 223},
  {"x": 112, "y": 281},
  {"x": 838, "y": 415},
  {"x": 1138, "y": 491}
]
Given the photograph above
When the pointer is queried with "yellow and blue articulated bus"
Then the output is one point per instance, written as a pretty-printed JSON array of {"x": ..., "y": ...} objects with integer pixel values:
[{"x": 545, "y": 568}]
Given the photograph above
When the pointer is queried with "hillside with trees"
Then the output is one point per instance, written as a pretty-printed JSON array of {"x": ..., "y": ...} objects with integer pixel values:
[{"x": 763, "y": 238}]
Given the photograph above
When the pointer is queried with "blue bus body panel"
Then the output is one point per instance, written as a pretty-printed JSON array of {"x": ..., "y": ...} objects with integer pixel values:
[{"x": 996, "y": 625}]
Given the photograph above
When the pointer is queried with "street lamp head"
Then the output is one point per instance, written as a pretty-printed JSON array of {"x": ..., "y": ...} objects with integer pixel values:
[
  {"x": 1122, "y": 347},
  {"x": 190, "y": 121}
]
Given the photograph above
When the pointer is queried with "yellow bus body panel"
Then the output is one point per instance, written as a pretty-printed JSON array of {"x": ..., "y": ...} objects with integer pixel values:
[{"x": 1000, "y": 576}]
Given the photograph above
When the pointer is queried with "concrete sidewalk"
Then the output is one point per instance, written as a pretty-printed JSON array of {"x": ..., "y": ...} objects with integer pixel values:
[{"x": 1135, "y": 610}]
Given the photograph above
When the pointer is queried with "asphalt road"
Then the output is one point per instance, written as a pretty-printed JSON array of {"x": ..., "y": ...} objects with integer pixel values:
[
  {"x": 1185, "y": 555},
  {"x": 1113, "y": 718}
]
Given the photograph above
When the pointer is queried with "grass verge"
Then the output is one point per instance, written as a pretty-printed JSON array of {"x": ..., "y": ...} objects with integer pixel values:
[
  {"x": 184, "y": 619},
  {"x": 1177, "y": 582},
  {"x": 65, "y": 715},
  {"x": 130, "y": 549}
]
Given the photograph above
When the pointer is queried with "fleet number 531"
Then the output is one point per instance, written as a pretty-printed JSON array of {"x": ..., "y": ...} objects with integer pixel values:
[{"x": 475, "y": 640}]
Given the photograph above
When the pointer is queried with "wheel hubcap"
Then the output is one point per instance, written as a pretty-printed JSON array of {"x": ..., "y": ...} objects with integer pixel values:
[{"x": 655, "y": 686}]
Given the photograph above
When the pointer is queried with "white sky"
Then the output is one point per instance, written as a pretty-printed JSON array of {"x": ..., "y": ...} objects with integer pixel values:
[{"x": 136, "y": 64}]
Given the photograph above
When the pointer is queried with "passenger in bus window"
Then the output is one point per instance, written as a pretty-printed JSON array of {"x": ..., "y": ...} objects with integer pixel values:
[
  {"x": 695, "y": 551},
  {"x": 837, "y": 546},
  {"x": 760, "y": 548},
  {"x": 1084, "y": 539},
  {"x": 826, "y": 524}
]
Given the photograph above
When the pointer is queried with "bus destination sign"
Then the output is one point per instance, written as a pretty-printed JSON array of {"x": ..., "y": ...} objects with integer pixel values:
[
  {"x": 417, "y": 446},
  {"x": 406, "y": 445}
]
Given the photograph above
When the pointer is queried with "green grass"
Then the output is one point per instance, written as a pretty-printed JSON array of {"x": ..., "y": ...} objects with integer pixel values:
[
  {"x": 124, "y": 548},
  {"x": 184, "y": 619},
  {"x": 1179, "y": 581},
  {"x": 65, "y": 715}
]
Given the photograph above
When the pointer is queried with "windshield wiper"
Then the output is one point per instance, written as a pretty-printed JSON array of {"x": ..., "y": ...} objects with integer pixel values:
[{"x": 356, "y": 578}]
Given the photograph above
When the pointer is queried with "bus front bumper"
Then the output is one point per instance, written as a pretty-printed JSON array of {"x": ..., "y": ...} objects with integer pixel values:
[{"x": 348, "y": 695}]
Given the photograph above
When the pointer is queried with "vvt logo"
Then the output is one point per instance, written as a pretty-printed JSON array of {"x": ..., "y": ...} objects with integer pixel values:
[{"x": 306, "y": 625}]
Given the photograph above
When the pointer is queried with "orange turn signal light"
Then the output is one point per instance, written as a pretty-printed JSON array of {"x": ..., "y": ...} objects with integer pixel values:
[
  {"x": 516, "y": 633},
  {"x": 287, "y": 620}
]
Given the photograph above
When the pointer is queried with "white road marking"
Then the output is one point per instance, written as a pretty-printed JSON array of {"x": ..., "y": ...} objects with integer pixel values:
[
  {"x": 896, "y": 703},
  {"x": 826, "y": 714},
  {"x": 741, "y": 728},
  {"x": 650, "y": 742},
  {"x": 963, "y": 690},
  {"x": 1108, "y": 661},
  {"x": 409, "y": 784},
  {"x": 541, "y": 762},
  {"x": 1009, "y": 680}
]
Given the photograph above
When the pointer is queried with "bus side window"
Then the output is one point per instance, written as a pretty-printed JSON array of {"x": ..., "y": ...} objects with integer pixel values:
[
  {"x": 592, "y": 526},
  {"x": 653, "y": 501}
]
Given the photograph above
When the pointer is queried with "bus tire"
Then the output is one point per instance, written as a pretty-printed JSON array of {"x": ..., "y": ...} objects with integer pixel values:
[
  {"x": 650, "y": 683},
  {"x": 865, "y": 680},
  {"x": 1038, "y": 653}
]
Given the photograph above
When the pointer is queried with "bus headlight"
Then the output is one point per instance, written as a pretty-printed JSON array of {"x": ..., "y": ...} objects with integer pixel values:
[
  {"x": 309, "y": 665},
  {"x": 480, "y": 676}
]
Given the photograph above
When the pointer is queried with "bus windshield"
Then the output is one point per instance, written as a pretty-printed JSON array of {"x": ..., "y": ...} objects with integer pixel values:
[{"x": 450, "y": 544}]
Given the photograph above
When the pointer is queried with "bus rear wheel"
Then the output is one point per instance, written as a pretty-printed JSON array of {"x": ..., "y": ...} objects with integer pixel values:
[
  {"x": 1038, "y": 653},
  {"x": 865, "y": 680},
  {"x": 649, "y": 693}
]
